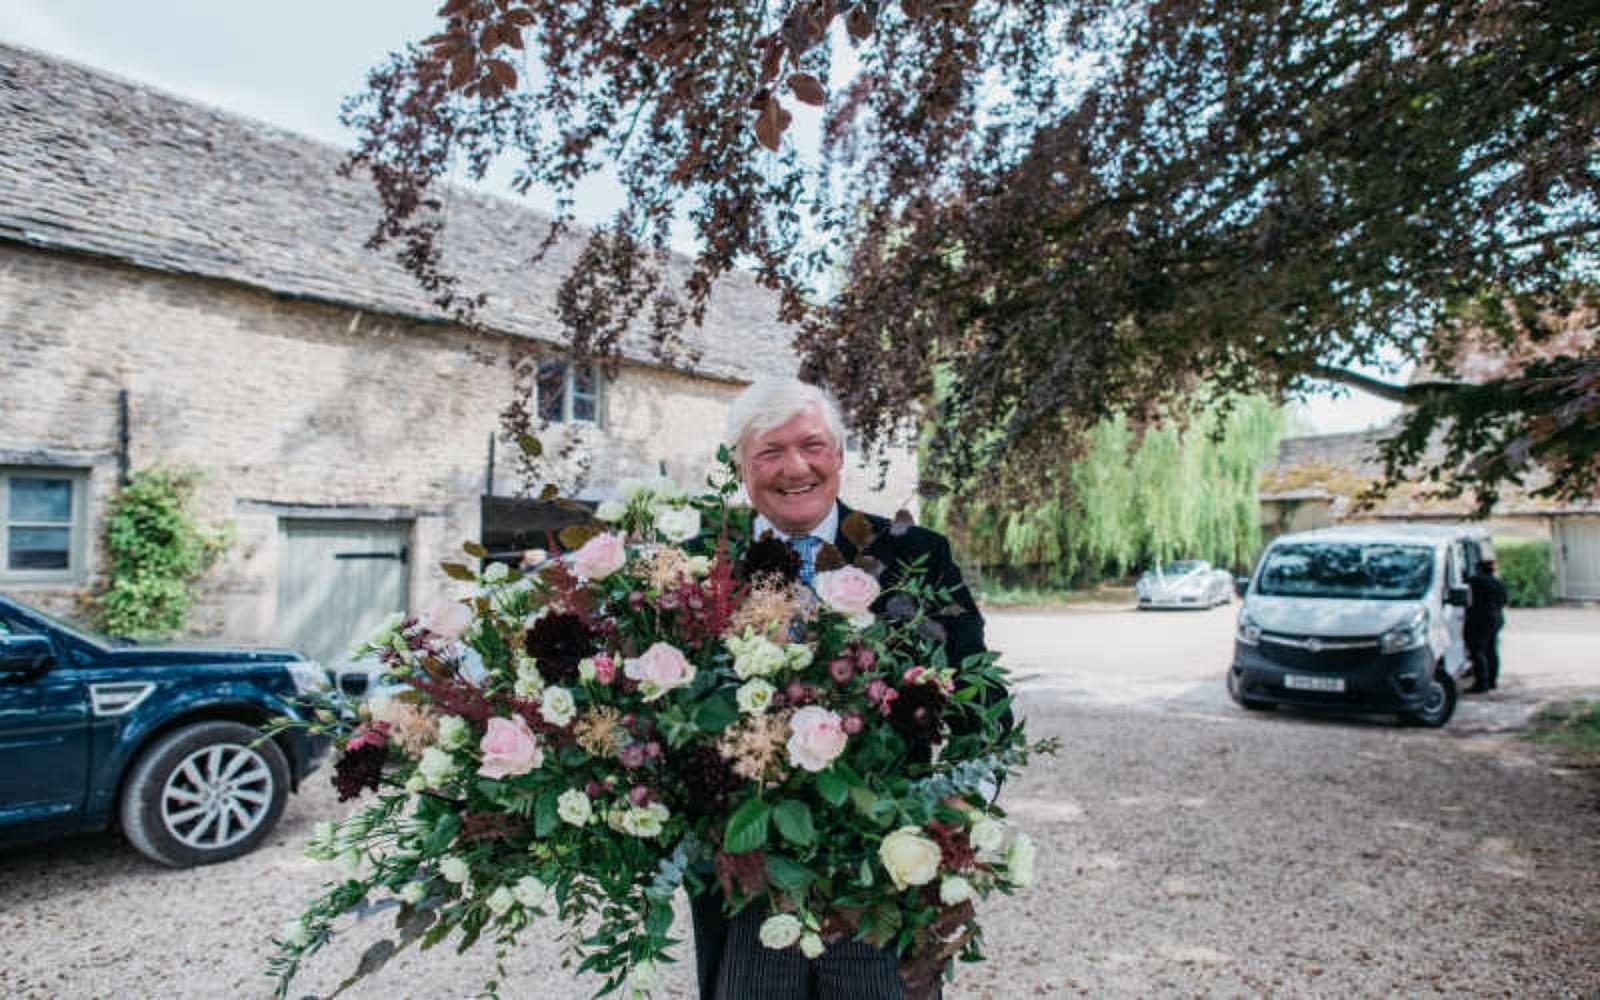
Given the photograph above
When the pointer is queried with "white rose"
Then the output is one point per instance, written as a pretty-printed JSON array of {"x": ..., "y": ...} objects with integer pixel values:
[
  {"x": 646, "y": 822},
  {"x": 754, "y": 697},
  {"x": 987, "y": 835},
  {"x": 1020, "y": 858},
  {"x": 413, "y": 893},
  {"x": 436, "y": 767},
  {"x": 500, "y": 901},
  {"x": 909, "y": 857},
  {"x": 530, "y": 891},
  {"x": 557, "y": 706},
  {"x": 679, "y": 524},
  {"x": 454, "y": 869},
  {"x": 574, "y": 807},
  {"x": 811, "y": 945},
  {"x": 611, "y": 511},
  {"x": 699, "y": 565},
  {"x": 496, "y": 572},
  {"x": 454, "y": 733},
  {"x": 780, "y": 930},
  {"x": 954, "y": 889}
]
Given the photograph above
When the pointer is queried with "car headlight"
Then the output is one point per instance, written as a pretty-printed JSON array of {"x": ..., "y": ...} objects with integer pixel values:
[
  {"x": 308, "y": 676},
  {"x": 1410, "y": 635},
  {"x": 1247, "y": 632}
]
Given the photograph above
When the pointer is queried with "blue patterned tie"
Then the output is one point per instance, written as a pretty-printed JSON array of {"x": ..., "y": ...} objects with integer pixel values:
[{"x": 806, "y": 548}]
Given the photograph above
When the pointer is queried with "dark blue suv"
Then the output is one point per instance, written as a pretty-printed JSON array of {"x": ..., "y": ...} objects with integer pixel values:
[{"x": 162, "y": 741}]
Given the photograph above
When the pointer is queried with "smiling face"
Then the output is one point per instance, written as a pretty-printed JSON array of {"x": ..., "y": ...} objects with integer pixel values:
[{"x": 792, "y": 472}]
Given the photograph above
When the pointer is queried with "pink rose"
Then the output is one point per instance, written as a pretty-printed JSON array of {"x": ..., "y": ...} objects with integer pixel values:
[
  {"x": 447, "y": 618},
  {"x": 849, "y": 591},
  {"x": 375, "y": 735},
  {"x": 659, "y": 670},
  {"x": 600, "y": 556},
  {"x": 816, "y": 737},
  {"x": 509, "y": 748},
  {"x": 605, "y": 669}
]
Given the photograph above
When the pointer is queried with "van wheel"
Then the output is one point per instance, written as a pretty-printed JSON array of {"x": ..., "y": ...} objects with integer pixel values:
[
  {"x": 1237, "y": 695},
  {"x": 203, "y": 793},
  {"x": 1441, "y": 703}
]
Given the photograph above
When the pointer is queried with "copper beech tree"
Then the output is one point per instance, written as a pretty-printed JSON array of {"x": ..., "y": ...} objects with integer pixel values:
[{"x": 1022, "y": 217}]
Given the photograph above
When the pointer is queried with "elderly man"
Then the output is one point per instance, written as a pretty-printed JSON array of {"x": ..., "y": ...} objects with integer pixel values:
[{"x": 788, "y": 441}]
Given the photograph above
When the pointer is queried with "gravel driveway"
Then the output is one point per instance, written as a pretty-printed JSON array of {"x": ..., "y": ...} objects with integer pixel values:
[{"x": 1188, "y": 848}]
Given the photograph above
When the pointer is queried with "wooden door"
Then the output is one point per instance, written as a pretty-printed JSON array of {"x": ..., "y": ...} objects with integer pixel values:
[{"x": 337, "y": 581}]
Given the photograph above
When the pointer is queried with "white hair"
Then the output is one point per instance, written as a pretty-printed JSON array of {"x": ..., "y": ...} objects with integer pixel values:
[{"x": 772, "y": 403}]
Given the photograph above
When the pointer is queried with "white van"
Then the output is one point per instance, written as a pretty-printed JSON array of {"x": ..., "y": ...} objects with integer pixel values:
[{"x": 1364, "y": 618}]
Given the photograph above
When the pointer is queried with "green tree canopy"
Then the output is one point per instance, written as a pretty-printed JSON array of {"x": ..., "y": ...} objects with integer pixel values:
[{"x": 1083, "y": 208}]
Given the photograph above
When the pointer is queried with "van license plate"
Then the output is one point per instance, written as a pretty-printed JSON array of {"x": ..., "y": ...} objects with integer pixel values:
[{"x": 1301, "y": 682}]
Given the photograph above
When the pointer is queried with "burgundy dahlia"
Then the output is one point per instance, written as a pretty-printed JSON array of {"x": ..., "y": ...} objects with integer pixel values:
[
  {"x": 360, "y": 767},
  {"x": 918, "y": 713},
  {"x": 770, "y": 556},
  {"x": 557, "y": 642},
  {"x": 708, "y": 781}
]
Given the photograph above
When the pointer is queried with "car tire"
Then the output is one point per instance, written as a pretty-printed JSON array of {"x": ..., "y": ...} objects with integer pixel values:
[
  {"x": 1238, "y": 696},
  {"x": 1441, "y": 704},
  {"x": 204, "y": 793}
]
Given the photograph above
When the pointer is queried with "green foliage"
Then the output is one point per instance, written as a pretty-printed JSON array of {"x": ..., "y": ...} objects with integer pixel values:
[
  {"x": 1574, "y": 725},
  {"x": 158, "y": 550},
  {"x": 1180, "y": 492},
  {"x": 1525, "y": 566}
]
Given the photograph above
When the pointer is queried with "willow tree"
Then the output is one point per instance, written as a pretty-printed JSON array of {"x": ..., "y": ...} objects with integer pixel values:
[
  {"x": 1182, "y": 490},
  {"x": 1088, "y": 207}
]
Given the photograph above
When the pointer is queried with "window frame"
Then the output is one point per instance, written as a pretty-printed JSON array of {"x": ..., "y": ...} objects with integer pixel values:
[
  {"x": 76, "y": 571},
  {"x": 569, "y": 392}
]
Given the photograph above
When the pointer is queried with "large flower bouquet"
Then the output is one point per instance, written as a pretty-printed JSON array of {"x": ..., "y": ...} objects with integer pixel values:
[{"x": 668, "y": 703}]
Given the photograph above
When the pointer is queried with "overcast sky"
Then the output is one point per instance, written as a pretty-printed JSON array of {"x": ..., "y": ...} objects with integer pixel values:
[{"x": 292, "y": 62}]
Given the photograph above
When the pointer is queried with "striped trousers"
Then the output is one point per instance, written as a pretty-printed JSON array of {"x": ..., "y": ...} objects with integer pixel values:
[{"x": 732, "y": 963}]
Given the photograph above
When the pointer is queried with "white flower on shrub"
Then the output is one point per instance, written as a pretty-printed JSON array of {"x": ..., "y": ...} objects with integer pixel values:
[
  {"x": 530, "y": 891},
  {"x": 500, "y": 901}
]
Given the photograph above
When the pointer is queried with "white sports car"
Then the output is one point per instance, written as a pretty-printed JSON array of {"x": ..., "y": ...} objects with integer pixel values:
[{"x": 1186, "y": 583}]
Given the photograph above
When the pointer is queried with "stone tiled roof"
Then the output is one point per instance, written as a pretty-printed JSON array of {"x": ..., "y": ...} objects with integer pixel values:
[
  {"x": 92, "y": 163},
  {"x": 1338, "y": 467}
]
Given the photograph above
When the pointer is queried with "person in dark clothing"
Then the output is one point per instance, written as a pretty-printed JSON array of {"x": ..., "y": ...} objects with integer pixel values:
[
  {"x": 788, "y": 441},
  {"x": 1485, "y": 617}
]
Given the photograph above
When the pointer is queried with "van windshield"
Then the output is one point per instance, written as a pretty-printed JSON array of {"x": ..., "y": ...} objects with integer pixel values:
[{"x": 1352, "y": 570}]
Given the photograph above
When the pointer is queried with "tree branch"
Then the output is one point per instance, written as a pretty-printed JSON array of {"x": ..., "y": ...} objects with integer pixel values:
[{"x": 1410, "y": 394}]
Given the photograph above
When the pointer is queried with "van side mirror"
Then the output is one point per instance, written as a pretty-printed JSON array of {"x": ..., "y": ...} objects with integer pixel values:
[
  {"x": 1458, "y": 597},
  {"x": 25, "y": 656},
  {"x": 1241, "y": 584}
]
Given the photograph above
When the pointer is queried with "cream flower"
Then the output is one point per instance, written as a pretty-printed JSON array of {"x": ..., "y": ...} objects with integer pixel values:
[
  {"x": 954, "y": 889},
  {"x": 780, "y": 930},
  {"x": 679, "y": 524},
  {"x": 454, "y": 869},
  {"x": 755, "y": 697},
  {"x": 436, "y": 767},
  {"x": 574, "y": 807},
  {"x": 557, "y": 707},
  {"x": 500, "y": 901},
  {"x": 987, "y": 835},
  {"x": 909, "y": 857},
  {"x": 811, "y": 945},
  {"x": 529, "y": 891},
  {"x": 454, "y": 733}
]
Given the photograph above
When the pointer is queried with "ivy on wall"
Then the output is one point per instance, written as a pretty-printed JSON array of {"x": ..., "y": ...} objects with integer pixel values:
[{"x": 158, "y": 550}]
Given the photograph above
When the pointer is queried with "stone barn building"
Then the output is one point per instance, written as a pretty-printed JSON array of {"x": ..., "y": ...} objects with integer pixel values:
[{"x": 184, "y": 287}]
